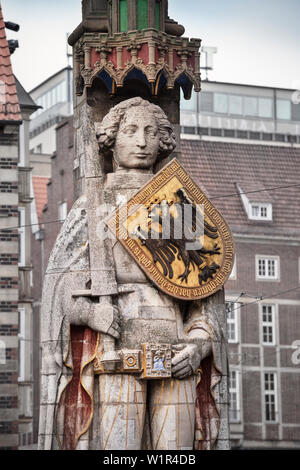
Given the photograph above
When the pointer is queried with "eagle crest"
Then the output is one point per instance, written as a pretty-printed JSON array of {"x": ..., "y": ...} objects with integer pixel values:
[{"x": 166, "y": 250}]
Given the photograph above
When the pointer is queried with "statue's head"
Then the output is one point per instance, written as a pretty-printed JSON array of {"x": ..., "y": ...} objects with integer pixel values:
[{"x": 138, "y": 134}]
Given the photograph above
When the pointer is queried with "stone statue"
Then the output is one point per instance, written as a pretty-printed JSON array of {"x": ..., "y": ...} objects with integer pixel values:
[{"x": 116, "y": 410}]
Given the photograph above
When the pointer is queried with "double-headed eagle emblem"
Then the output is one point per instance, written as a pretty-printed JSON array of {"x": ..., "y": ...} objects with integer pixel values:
[{"x": 166, "y": 251}]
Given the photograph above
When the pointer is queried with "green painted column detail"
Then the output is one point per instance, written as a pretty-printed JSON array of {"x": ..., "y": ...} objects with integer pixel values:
[
  {"x": 157, "y": 15},
  {"x": 123, "y": 16},
  {"x": 142, "y": 14}
]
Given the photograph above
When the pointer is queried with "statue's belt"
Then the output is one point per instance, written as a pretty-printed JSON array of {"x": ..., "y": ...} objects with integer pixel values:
[{"x": 152, "y": 362}]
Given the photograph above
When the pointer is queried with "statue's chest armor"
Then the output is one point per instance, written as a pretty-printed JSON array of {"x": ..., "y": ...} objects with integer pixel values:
[
  {"x": 118, "y": 190},
  {"x": 147, "y": 314}
]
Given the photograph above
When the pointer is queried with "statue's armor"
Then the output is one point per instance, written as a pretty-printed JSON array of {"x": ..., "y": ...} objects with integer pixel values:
[{"x": 147, "y": 314}]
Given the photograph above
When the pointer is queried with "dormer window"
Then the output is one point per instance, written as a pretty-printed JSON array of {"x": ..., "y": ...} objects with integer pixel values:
[
  {"x": 256, "y": 201},
  {"x": 260, "y": 211}
]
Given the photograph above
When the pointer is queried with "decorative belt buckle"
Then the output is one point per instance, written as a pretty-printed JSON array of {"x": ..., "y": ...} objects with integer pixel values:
[
  {"x": 131, "y": 360},
  {"x": 157, "y": 361}
]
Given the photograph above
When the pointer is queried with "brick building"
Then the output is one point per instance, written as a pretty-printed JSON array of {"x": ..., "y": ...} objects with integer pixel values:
[
  {"x": 15, "y": 256},
  {"x": 10, "y": 121},
  {"x": 256, "y": 188},
  {"x": 242, "y": 140},
  {"x": 26, "y": 338}
]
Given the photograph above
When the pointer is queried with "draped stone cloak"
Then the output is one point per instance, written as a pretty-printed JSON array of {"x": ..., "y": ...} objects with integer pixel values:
[{"x": 69, "y": 395}]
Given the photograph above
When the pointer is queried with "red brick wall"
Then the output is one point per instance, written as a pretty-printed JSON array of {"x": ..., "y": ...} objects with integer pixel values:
[
  {"x": 246, "y": 276},
  {"x": 61, "y": 187}
]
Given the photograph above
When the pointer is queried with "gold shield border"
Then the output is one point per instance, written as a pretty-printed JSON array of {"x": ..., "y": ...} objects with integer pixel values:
[{"x": 146, "y": 263}]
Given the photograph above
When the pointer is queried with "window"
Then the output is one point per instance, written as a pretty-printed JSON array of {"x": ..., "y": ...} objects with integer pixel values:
[
  {"x": 267, "y": 268},
  {"x": 55, "y": 95},
  {"x": 43, "y": 99},
  {"x": 284, "y": 109},
  {"x": 265, "y": 107},
  {"x": 157, "y": 15},
  {"x": 232, "y": 309},
  {"x": 270, "y": 392},
  {"x": 142, "y": 14},
  {"x": 235, "y": 104},
  {"x": 48, "y": 100},
  {"x": 268, "y": 324},
  {"x": 234, "y": 394},
  {"x": 21, "y": 344},
  {"x": 260, "y": 211},
  {"x": 296, "y": 111},
  {"x": 189, "y": 105},
  {"x": 21, "y": 231},
  {"x": 220, "y": 103},
  {"x": 206, "y": 101},
  {"x": 62, "y": 211},
  {"x": 22, "y": 146},
  {"x": 123, "y": 15},
  {"x": 250, "y": 106},
  {"x": 62, "y": 90}
]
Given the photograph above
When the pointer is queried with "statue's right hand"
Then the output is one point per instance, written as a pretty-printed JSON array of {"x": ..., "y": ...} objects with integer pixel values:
[
  {"x": 101, "y": 317},
  {"x": 105, "y": 318}
]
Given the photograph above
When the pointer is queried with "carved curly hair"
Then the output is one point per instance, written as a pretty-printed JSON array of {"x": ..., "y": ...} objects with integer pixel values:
[{"x": 108, "y": 129}]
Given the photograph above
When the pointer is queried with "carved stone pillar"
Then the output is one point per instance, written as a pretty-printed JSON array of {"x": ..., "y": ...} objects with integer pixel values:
[{"x": 87, "y": 57}]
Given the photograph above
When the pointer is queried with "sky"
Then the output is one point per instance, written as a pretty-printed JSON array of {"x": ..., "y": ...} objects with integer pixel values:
[{"x": 257, "y": 40}]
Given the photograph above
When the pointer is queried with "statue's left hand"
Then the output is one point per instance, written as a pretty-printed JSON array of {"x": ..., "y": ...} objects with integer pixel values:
[{"x": 186, "y": 360}]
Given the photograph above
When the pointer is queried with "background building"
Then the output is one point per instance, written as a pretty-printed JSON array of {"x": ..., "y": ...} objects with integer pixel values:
[
  {"x": 16, "y": 106},
  {"x": 256, "y": 188},
  {"x": 241, "y": 143},
  {"x": 10, "y": 121},
  {"x": 243, "y": 112},
  {"x": 54, "y": 96},
  {"x": 26, "y": 337}
]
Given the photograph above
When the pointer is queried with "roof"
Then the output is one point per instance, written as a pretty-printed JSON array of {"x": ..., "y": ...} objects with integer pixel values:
[
  {"x": 40, "y": 194},
  {"x": 25, "y": 100},
  {"x": 219, "y": 168},
  {"x": 9, "y": 105}
]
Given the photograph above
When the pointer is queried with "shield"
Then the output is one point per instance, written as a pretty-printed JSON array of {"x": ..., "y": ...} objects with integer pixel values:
[{"x": 176, "y": 235}]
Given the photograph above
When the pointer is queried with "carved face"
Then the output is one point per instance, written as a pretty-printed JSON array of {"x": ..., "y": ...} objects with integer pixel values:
[{"x": 137, "y": 140}]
